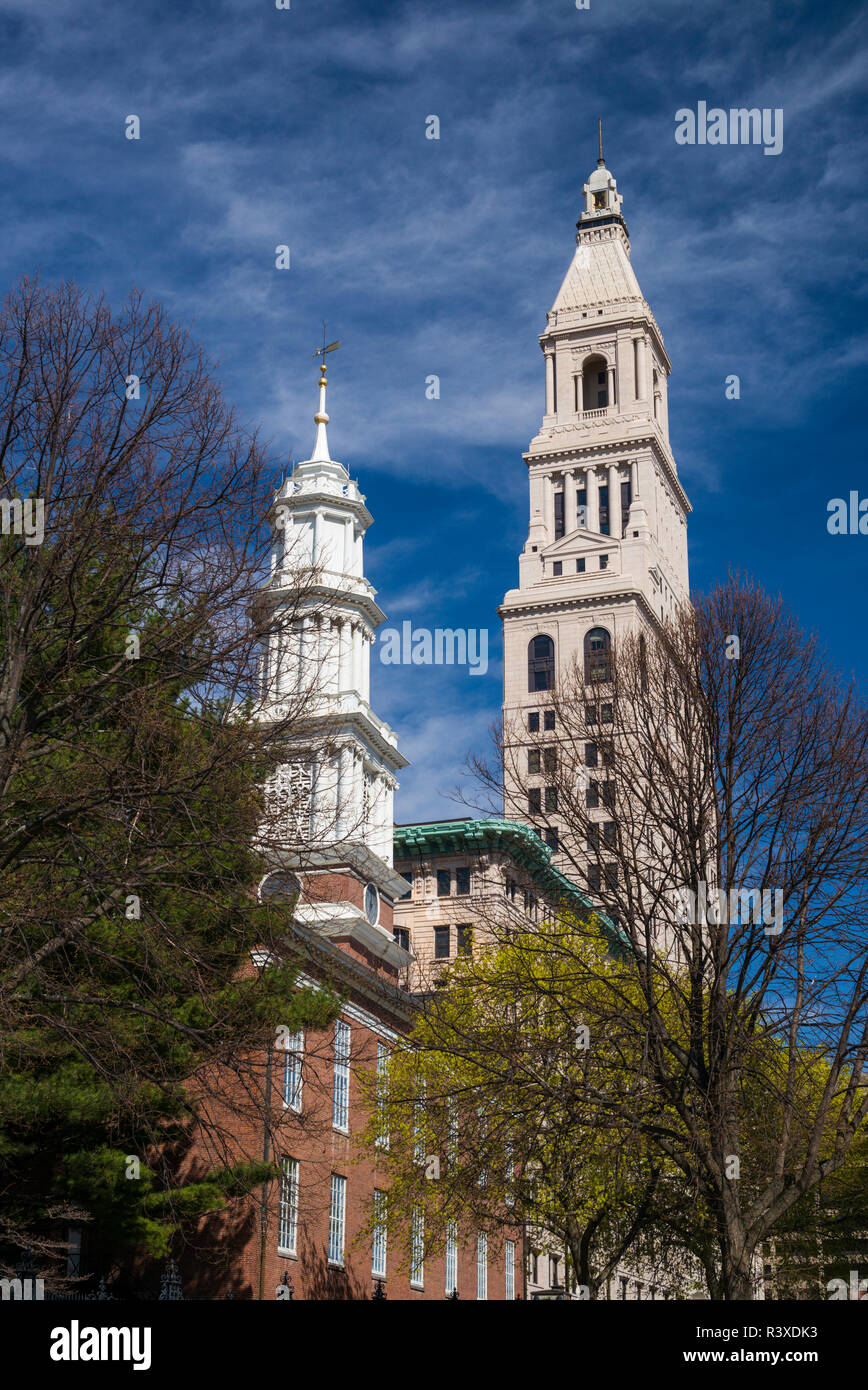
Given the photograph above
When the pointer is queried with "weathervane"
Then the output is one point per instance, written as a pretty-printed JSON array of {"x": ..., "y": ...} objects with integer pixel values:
[{"x": 321, "y": 352}]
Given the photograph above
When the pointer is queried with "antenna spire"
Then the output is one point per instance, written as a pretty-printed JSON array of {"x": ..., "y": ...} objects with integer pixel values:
[{"x": 600, "y": 162}]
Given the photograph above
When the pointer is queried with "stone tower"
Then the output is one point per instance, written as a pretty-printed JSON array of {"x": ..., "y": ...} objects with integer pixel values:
[{"x": 607, "y": 542}]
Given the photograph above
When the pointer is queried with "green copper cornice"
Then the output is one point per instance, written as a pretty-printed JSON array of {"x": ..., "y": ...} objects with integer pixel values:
[{"x": 510, "y": 837}]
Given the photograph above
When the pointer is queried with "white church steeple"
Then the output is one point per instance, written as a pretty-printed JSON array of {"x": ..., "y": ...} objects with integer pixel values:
[{"x": 337, "y": 786}]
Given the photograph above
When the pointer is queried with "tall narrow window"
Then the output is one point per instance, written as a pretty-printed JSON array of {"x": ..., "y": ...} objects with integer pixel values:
[
  {"x": 533, "y": 760},
  {"x": 292, "y": 1060},
  {"x": 509, "y": 1259},
  {"x": 337, "y": 1219},
  {"x": 534, "y": 801},
  {"x": 419, "y": 1128},
  {"x": 341, "y": 1091},
  {"x": 451, "y": 1256},
  {"x": 604, "y": 509},
  {"x": 378, "y": 1237},
  {"x": 287, "y": 1217},
  {"x": 417, "y": 1249},
  {"x": 444, "y": 883},
  {"x": 482, "y": 1266},
  {"x": 441, "y": 943},
  {"x": 462, "y": 882},
  {"x": 541, "y": 664},
  {"x": 559, "y": 515},
  {"x": 382, "y": 1083},
  {"x": 626, "y": 502},
  {"x": 598, "y": 653}
]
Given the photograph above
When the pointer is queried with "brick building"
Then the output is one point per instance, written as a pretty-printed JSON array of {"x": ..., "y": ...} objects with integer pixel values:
[{"x": 331, "y": 851}]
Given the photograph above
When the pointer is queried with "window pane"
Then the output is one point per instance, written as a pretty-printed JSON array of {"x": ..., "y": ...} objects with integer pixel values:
[
  {"x": 292, "y": 1063},
  {"x": 337, "y": 1219},
  {"x": 378, "y": 1239},
  {"x": 451, "y": 1256},
  {"x": 482, "y": 1266},
  {"x": 462, "y": 882},
  {"x": 287, "y": 1223},
  {"x": 417, "y": 1248},
  {"x": 441, "y": 943},
  {"x": 341, "y": 1091},
  {"x": 444, "y": 883}
]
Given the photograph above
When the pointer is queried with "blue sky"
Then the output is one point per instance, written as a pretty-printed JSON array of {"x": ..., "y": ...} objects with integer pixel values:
[{"x": 306, "y": 127}]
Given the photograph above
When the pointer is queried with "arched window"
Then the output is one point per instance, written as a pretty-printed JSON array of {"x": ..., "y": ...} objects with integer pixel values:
[
  {"x": 541, "y": 664},
  {"x": 595, "y": 387},
  {"x": 598, "y": 655}
]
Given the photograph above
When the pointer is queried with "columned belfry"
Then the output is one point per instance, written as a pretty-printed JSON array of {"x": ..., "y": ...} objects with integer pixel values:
[
  {"x": 606, "y": 550},
  {"x": 335, "y": 791}
]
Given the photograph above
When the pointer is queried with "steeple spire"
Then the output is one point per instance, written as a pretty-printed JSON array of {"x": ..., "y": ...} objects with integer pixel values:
[
  {"x": 321, "y": 419},
  {"x": 601, "y": 163}
]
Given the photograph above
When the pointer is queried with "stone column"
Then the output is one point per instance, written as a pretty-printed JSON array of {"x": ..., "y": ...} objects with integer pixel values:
[
  {"x": 344, "y": 791},
  {"x": 610, "y": 370},
  {"x": 317, "y": 533},
  {"x": 348, "y": 546},
  {"x": 640, "y": 370},
  {"x": 580, "y": 390},
  {"x": 593, "y": 500},
  {"x": 569, "y": 501},
  {"x": 614, "y": 501},
  {"x": 549, "y": 507},
  {"x": 550, "y": 381}
]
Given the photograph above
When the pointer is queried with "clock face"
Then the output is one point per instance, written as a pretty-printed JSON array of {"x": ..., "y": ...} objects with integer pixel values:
[{"x": 372, "y": 904}]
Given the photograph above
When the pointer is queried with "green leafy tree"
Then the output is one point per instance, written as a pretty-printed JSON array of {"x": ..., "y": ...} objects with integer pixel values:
[{"x": 133, "y": 826}]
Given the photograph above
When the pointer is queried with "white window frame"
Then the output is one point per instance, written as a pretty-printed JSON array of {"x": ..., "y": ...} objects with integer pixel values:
[
  {"x": 293, "y": 1061},
  {"x": 419, "y": 1154},
  {"x": 451, "y": 1256},
  {"x": 379, "y": 1236},
  {"x": 509, "y": 1276},
  {"x": 287, "y": 1221},
  {"x": 417, "y": 1249},
  {"x": 382, "y": 1141},
  {"x": 341, "y": 1085},
  {"x": 482, "y": 1266},
  {"x": 337, "y": 1220}
]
